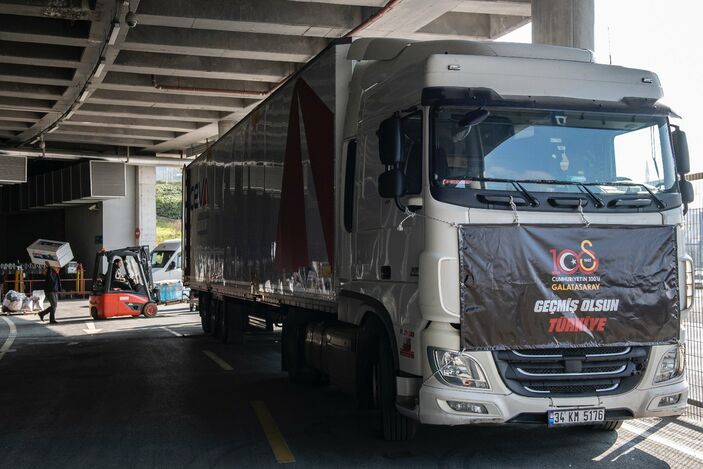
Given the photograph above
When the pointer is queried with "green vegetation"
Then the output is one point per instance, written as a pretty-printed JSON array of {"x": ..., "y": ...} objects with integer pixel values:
[
  {"x": 168, "y": 200},
  {"x": 167, "y": 229},
  {"x": 168, "y": 210}
]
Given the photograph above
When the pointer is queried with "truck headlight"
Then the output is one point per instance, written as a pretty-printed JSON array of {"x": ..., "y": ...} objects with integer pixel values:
[
  {"x": 457, "y": 369},
  {"x": 690, "y": 286},
  {"x": 671, "y": 365}
]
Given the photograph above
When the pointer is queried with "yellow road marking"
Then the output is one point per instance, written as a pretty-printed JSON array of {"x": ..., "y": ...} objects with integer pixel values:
[
  {"x": 223, "y": 364},
  {"x": 278, "y": 444}
]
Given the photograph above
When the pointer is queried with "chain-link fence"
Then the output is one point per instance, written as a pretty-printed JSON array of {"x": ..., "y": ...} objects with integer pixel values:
[{"x": 693, "y": 239}]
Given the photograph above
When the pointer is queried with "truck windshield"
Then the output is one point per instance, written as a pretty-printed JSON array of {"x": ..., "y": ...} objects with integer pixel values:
[
  {"x": 574, "y": 147},
  {"x": 160, "y": 258}
]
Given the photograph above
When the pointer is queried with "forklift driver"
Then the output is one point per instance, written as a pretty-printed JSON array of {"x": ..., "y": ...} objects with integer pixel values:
[{"x": 119, "y": 281}]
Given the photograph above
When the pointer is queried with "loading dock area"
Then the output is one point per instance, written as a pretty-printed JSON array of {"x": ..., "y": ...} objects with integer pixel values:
[
  {"x": 131, "y": 393},
  {"x": 344, "y": 233}
]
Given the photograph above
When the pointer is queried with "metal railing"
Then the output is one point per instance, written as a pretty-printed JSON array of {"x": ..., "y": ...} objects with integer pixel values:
[{"x": 693, "y": 239}]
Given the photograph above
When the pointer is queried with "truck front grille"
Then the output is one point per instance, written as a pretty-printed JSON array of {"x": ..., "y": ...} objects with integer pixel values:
[{"x": 572, "y": 371}]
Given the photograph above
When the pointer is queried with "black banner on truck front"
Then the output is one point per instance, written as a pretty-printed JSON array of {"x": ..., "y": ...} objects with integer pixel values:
[{"x": 543, "y": 286}]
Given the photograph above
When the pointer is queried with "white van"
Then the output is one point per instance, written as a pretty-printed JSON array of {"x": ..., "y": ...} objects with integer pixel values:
[{"x": 166, "y": 261}]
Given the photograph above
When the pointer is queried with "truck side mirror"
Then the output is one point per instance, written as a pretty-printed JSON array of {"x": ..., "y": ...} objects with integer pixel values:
[
  {"x": 389, "y": 142},
  {"x": 686, "y": 189},
  {"x": 683, "y": 164},
  {"x": 391, "y": 184}
]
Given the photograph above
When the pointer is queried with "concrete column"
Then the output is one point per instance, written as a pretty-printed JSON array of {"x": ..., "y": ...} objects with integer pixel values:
[
  {"x": 567, "y": 23},
  {"x": 119, "y": 216},
  {"x": 146, "y": 205},
  {"x": 223, "y": 127}
]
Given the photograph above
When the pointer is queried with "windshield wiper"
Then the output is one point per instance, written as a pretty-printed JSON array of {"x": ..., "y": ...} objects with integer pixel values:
[
  {"x": 598, "y": 202},
  {"x": 660, "y": 203},
  {"x": 530, "y": 198}
]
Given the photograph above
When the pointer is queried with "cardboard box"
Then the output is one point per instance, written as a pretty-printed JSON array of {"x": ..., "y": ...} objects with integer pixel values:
[{"x": 57, "y": 253}]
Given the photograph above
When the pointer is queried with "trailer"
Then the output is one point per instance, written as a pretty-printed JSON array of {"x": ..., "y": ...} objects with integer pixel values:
[{"x": 455, "y": 233}]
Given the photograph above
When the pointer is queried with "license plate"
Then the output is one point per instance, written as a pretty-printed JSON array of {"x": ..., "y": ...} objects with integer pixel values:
[{"x": 575, "y": 416}]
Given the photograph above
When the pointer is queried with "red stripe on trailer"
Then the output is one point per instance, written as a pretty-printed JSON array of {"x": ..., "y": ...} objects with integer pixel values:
[
  {"x": 291, "y": 236},
  {"x": 318, "y": 124},
  {"x": 318, "y": 121}
]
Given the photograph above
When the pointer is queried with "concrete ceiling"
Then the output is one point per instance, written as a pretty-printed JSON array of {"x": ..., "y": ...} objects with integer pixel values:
[{"x": 73, "y": 74}]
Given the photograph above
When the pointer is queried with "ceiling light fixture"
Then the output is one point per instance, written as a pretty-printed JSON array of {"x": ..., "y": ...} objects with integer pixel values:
[
  {"x": 100, "y": 68},
  {"x": 113, "y": 34}
]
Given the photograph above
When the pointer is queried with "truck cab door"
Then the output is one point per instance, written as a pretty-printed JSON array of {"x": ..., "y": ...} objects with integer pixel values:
[{"x": 381, "y": 251}]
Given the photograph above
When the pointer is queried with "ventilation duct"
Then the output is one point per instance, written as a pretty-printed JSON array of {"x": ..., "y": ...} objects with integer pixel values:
[
  {"x": 13, "y": 170},
  {"x": 83, "y": 183}
]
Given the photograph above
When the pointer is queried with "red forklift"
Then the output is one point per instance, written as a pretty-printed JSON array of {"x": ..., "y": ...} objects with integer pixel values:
[{"x": 123, "y": 285}]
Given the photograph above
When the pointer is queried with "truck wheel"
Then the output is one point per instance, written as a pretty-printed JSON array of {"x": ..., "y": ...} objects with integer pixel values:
[
  {"x": 396, "y": 427},
  {"x": 150, "y": 310},
  {"x": 223, "y": 324},
  {"x": 217, "y": 319},
  {"x": 608, "y": 426},
  {"x": 205, "y": 322},
  {"x": 204, "y": 314},
  {"x": 292, "y": 344},
  {"x": 367, "y": 369}
]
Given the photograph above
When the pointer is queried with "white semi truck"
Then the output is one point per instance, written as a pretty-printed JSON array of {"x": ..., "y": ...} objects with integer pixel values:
[{"x": 455, "y": 232}]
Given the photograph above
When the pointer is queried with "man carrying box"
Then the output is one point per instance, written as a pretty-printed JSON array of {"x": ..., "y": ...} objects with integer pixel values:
[{"x": 52, "y": 287}]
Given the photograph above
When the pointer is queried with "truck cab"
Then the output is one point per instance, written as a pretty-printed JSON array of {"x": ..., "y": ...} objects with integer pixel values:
[{"x": 448, "y": 146}]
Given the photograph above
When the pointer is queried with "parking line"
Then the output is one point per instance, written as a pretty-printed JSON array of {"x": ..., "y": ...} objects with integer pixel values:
[
  {"x": 278, "y": 444},
  {"x": 177, "y": 334},
  {"x": 651, "y": 436},
  {"x": 223, "y": 364},
  {"x": 10, "y": 338}
]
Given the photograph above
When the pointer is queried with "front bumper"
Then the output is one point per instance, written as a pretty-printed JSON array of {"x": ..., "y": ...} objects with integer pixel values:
[{"x": 512, "y": 408}]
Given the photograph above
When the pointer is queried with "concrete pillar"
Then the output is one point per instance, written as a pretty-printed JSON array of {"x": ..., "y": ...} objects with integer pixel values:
[
  {"x": 146, "y": 205},
  {"x": 119, "y": 216},
  {"x": 567, "y": 23},
  {"x": 223, "y": 127}
]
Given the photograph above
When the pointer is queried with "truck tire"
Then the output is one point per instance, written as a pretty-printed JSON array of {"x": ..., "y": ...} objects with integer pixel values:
[
  {"x": 216, "y": 318},
  {"x": 610, "y": 426},
  {"x": 204, "y": 308},
  {"x": 367, "y": 356},
  {"x": 235, "y": 322},
  {"x": 223, "y": 324},
  {"x": 396, "y": 427},
  {"x": 205, "y": 321}
]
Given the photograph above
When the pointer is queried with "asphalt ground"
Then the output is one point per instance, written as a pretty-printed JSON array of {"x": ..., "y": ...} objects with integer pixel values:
[{"x": 140, "y": 392}]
